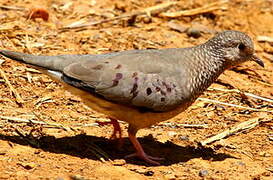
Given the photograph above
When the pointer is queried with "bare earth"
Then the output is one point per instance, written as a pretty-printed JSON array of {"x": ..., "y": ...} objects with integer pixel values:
[{"x": 72, "y": 150}]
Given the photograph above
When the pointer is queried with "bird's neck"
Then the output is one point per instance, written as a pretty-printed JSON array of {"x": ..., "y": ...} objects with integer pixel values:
[{"x": 206, "y": 71}]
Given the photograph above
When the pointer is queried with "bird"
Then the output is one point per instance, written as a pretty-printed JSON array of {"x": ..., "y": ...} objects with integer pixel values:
[{"x": 144, "y": 87}]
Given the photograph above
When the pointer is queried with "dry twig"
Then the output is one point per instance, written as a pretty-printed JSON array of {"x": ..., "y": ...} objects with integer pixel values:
[
  {"x": 205, "y": 9},
  {"x": 233, "y": 105},
  {"x": 233, "y": 130},
  {"x": 12, "y": 8},
  {"x": 149, "y": 11}
]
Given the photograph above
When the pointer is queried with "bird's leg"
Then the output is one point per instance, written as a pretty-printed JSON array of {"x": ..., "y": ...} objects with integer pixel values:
[
  {"x": 139, "y": 150},
  {"x": 117, "y": 130}
]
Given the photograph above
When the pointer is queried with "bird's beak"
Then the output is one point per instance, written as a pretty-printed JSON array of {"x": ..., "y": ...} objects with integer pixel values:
[{"x": 257, "y": 60}]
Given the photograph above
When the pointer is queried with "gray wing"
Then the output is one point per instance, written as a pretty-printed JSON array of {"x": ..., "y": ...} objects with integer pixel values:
[{"x": 147, "y": 78}]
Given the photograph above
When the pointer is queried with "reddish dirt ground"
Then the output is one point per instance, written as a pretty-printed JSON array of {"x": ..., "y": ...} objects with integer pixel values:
[{"x": 35, "y": 151}]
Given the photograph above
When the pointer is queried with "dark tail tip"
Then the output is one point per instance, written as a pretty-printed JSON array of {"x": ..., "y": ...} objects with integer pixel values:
[{"x": 12, "y": 55}]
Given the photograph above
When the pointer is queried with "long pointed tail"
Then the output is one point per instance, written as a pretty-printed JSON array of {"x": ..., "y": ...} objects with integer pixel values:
[{"x": 56, "y": 63}]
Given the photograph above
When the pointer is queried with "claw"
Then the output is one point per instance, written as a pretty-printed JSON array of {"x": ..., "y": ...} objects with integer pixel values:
[{"x": 140, "y": 152}]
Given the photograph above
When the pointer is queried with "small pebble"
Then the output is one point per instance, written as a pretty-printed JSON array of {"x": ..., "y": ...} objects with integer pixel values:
[
  {"x": 147, "y": 20},
  {"x": 191, "y": 32},
  {"x": 203, "y": 173}
]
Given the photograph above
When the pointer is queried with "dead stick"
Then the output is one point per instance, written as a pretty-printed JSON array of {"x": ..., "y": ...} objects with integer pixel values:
[
  {"x": 150, "y": 11},
  {"x": 12, "y": 8},
  {"x": 233, "y": 130},
  {"x": 201, "y": 10},
  {"x": 13, "y": 91},
  {"x": 233, "y": 105}
]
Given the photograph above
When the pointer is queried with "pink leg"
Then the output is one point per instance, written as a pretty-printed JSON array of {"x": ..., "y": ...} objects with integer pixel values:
[
  {"x": 117, "y": 130},
  {"x": 139, "y": 150}
]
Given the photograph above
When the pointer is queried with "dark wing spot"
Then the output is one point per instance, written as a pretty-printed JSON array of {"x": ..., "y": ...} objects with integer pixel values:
[
  {"x": 118, "y": 76},
  {"x": 118, "y": 66},
  {"x": 162, "y": 99},
  {"x": 149, "y": 91},
  {"x": 98, "y": 67},
  {"x": 106, "y": 62},
  {"x": 134, "y": 89},
  {"x": 116, "y": 80},
  {"x": 135, "y": 86},
  {"x": 135, "y": 94}
]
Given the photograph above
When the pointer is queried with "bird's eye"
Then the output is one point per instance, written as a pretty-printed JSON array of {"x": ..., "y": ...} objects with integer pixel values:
[{"x": 241, "y": 46}]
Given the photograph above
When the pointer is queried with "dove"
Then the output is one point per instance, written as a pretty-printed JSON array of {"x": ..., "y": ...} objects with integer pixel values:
[{"x": 144, "y": 87}]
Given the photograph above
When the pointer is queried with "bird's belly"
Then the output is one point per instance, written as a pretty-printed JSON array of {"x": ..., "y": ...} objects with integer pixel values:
[{"x": 134, "y": 116}]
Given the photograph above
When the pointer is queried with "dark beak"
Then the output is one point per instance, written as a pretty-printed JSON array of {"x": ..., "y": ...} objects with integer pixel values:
[{"x": 257, "y": 60}]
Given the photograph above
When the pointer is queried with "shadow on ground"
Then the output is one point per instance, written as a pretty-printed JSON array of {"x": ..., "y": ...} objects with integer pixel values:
[{"x": 84, "y": 146}]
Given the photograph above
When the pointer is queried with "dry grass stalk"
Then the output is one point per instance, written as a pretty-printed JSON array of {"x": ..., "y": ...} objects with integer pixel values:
[
  {"x": 149, "y": 11},
  {"x": 233, "y": 130},
  {"x": 233, "y": 105},
  {"x": 205, "y": 9},
  {"x": 12, "y": 8}
]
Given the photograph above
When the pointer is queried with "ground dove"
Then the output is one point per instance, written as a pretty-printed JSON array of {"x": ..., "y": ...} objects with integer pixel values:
[{"x": 144, "y": 87}]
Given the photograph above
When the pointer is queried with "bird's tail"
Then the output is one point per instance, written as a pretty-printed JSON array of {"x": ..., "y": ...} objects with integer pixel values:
[{"x": 56, "y": 63}]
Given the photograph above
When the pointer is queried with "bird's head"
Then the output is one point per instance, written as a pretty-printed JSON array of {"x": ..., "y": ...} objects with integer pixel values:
[{"x": 235, "y": 47}]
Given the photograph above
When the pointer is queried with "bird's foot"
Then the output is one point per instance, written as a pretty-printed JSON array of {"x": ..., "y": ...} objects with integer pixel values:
[
  {"x": 149, "y": 159},
  {"x": 117, "y": 130}
]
